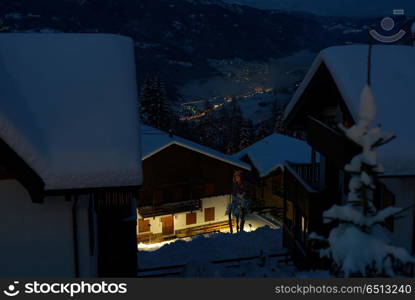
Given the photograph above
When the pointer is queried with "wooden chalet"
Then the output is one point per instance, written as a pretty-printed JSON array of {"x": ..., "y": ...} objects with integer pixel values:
[
  {"x": 330, "y": 95},
  {"x": 186, "y": 187},
  {"x": 264, "y": 185},
  {"x": 69, "y": 155}
]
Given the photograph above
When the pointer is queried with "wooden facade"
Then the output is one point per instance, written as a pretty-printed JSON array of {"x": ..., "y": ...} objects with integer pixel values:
[
  {"x": 318, "y": 112},
  {"x": 183, "y": 190},
  {"x": 265, "y": 192},
  {"x": 176, "y": 178}
]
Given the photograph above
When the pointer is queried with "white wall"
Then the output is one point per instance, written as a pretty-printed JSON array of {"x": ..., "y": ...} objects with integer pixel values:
[
  {"x": 88, "y": 263},
  {"x": 36, "y": 240},
  {"x": 220, "y": 203},
  {"x": 404, "y": 191}
]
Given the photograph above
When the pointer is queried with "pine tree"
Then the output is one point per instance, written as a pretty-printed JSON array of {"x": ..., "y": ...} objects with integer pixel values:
[
  {"x": 208, "y": 127},
  {"x": 235, "y": 122},
  {"x": 263, "y": 130},
  {"x": 281, "y": 128},
  {"x": 238, "y": 208},
  {"x": 357, "y": 246},
  {"x": 245, "y": 134},
  {"x": 223, "y": 128},
  {"x": 155, "y": 106},
  {"x": 279, "y": 122}
]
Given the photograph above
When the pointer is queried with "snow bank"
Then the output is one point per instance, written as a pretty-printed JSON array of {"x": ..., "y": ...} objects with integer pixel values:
[
  {"x": 346, "y": 250},
  {"x": 214, "y": 247},
  {"x": 348, "y": 213},
  {"x": 69, "y": 108}
]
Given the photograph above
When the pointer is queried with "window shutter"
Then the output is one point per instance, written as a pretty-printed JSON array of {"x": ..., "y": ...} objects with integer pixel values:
[
  {"x": 143, "y": 225},
  {"x": 209, "y": 214},
  {"x": 191, "y": 218}
]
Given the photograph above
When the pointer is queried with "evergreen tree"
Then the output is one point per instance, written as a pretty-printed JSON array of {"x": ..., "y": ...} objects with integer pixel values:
[
  {"x": 262, "y": 130},
  {"x": 235, "y": 122},
  {"x": 208, "y": 127},
  {"x": 238, "y": 208},
  {"x": 281, "y": 128},
  {"x": 155, "y": 106},
  {"x": 358, "y": 245},
  {"x": 245, "y": 134},
  {"x": 279, "y": 122},
  {"x": 223, "y": 128}
]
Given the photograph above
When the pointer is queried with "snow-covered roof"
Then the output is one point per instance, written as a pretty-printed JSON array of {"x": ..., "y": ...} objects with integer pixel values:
[
  {"x": 271, "y": 152},
  {"x": 154, "y": 140},
  {"x": 393, "y": 85},
  {"x": 69, "y": 108}
]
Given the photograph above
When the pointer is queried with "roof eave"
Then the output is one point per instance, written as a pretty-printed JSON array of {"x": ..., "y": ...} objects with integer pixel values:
[
  {"x": 24, "y": 173},
  {"x": 228, "y": 161},
  {"x": 85, "y": 190},
  {"x": 292, "y": 106}
]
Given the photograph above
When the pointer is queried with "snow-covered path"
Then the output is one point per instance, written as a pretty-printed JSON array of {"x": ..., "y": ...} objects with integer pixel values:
[
  {"x": 199, "y": 256},
  {"x": 198, "y": 253},
  {"x": 254, "y": 220},
  {"x": 213, "y": 247}
]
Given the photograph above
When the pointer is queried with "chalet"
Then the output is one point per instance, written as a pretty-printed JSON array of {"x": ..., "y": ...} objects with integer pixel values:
[
  {"x": 186, "y": 187},
  {"x": 264, "y": 185},
  {"x": 330, "y": 95},
  {"x": 70, "y": 161}
]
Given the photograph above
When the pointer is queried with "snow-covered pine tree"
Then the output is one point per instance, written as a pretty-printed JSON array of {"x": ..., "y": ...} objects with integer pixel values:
[
  {"x": 155, "y": 106},
  {"x": 239, "y": 209},
  {"x": 358, "y": 246},
  {"x": 229, "y": 212}
]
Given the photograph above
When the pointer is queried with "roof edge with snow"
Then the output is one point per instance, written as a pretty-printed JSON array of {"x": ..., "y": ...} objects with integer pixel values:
[{"x": 239, "y": 164}]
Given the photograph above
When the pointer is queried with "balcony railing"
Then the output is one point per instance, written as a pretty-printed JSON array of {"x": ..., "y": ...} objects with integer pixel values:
[
  {"x": 169, "y": 208},
  {"x": 310, "y": 173}
]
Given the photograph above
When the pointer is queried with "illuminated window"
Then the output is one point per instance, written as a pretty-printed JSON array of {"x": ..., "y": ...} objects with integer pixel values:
[
  {"x": 191, "y": 218},
  {"x": 143, "y": 225},
  {"x": 347, "y": 123},
  {"x": 209, "y": 214},
  {"x": 303, "y": 228}
]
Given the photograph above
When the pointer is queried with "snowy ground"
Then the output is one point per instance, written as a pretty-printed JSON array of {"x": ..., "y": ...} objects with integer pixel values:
[
  {"x": 198, "y": 254},
  {"x": 213, "y": 247},
  {"x": 252, "y": 223}
]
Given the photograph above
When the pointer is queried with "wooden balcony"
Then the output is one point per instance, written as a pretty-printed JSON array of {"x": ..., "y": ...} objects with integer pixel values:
[
  {"x": 310, "y": 173},
  {"x": 169, "y": 208},
  {"x": 330, "y": 142}
]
